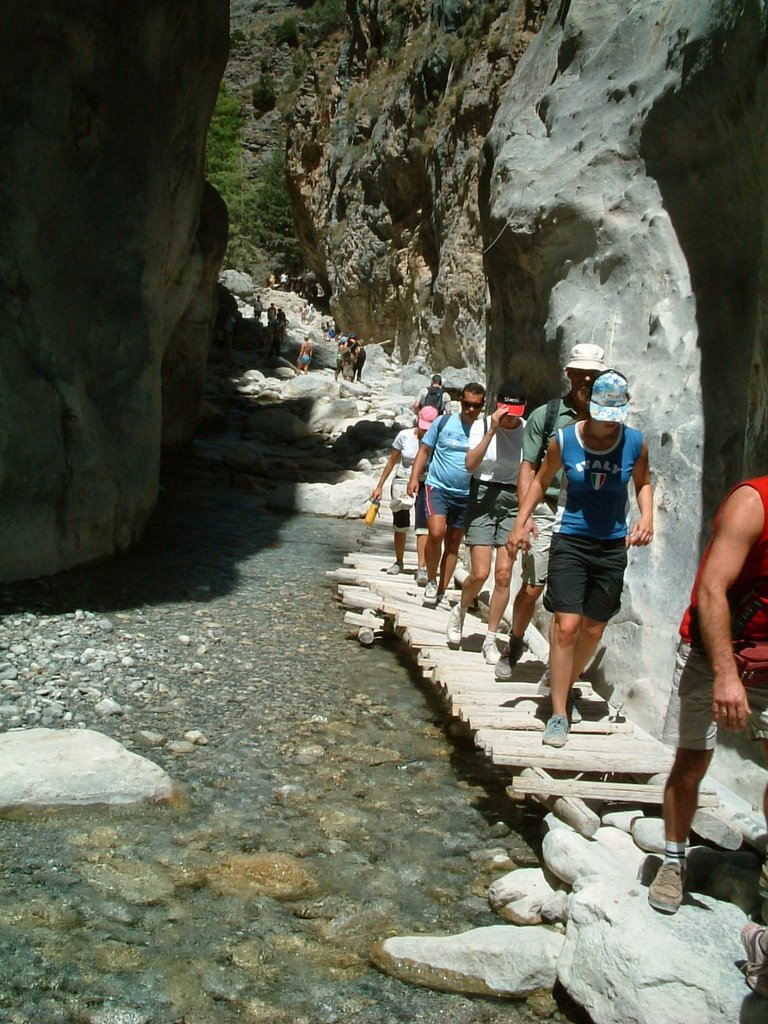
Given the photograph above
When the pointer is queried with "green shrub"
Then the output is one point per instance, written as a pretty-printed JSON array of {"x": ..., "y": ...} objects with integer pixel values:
[
  {"x": 259, "y": 209},
  {"x": 237, "y": 38},
  {"x": 263, "y": 95},
  {"x": 222, "y": 151},
  {"x": 268, "y": 217},
  {"x": 327, "y": 16},
  {"x": 287, "y": 32}
]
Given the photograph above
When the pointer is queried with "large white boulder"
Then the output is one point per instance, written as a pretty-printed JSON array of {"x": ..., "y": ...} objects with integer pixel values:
[
  {"x": 525, "y": 896},
  {"x": 500, "y": 960},
  {"x": 347, "y": 499},
  {"x": 627, "y": 964},
  {"x": 51, "y": 768},
  {"x": 610, "y": 853}
]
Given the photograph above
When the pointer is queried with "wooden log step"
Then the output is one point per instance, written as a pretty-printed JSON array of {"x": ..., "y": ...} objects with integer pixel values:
[
  {"x": 512, "y": 700},
  {"x": 499, "y": 693},
  {"x": 360, "y": 597},
  {"x": 570, "y": 809},
  {"x": 477, "y": 718},
  {"x": 463, "y": 675},
  {"x": 358, "y": 619},
  {"x": 572, "y": 760},
  {"x": 365, "y": 577},
  {"x": 419, "y": 636},
  {"x": 612, "y": 746},
  {"x": 608, "y": 792}
]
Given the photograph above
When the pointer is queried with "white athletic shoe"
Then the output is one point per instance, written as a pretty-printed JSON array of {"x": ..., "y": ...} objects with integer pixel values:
[
  {"x": 455, "y": 625},
  {"x": 490, "y": 650},
  {"x": 444, "y": 604},
  {"x": 421, "y": 577},
  {"x": 430, "y": 591}
]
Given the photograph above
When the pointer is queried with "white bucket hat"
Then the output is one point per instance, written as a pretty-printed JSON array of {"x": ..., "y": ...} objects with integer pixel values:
[{"x": 586, "y": 357}]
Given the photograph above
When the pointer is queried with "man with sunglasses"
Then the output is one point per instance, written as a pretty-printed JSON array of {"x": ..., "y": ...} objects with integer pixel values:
[
  {"x": 495, "y": 445},
  {"x": 586, "y": 362},
  {"x": 446, "y": 488}
]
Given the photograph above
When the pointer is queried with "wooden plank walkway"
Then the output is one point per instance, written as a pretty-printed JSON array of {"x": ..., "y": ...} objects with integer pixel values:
[{"x": 607, "y": 757}]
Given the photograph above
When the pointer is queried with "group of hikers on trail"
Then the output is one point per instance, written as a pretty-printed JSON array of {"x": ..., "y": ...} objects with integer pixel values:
[{"x": 553, "y": 491}]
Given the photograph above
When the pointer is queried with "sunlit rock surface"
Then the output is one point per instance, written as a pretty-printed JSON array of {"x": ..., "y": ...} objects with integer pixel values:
[
  {"x": 622, "y": 189},
  {"x": 500, "y": 960},
  {"x": 42, "y": 768},
  {"x": 623, "y": 961},
  {"x": 382, "y": 163},
  {"x": 104, "y": 121}
]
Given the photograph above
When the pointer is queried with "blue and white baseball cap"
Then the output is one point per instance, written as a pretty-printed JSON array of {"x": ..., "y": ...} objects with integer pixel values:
[{"x": 609, "y": 402}]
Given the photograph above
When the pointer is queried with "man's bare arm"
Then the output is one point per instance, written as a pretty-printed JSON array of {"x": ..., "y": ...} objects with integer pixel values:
[{"x": 739, "y": 527}]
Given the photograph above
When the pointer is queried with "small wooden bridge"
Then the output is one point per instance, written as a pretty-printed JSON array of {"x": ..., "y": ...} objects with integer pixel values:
[{"x": 607, "y": 757}]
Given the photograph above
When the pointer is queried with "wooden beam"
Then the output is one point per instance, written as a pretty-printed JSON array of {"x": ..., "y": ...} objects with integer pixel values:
[{"x": 609, "y": 792}]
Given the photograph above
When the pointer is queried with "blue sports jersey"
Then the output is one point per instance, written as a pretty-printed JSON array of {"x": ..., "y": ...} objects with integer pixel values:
[
  {"x": 593, "y": 498},
  {"x": 449, "y": 444}
]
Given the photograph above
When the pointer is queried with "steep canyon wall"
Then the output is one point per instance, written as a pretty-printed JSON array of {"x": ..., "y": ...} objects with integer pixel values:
[
  {"x": 623, "y": 196},
  {"x": 105, "y": 113},
  {"x": 619, "y": 198},
  {"x": 383, "y": 168}
]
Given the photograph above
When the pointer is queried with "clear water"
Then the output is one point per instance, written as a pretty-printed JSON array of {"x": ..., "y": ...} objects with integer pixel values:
[{"x": 328, "y": 809}]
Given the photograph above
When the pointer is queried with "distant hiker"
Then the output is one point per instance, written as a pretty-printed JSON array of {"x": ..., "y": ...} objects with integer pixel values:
[
  {"x": 435, "y": 395},
  {"x": 359, "y": 356},
  {"x": 598, "y": 456},
  {"x": 258, "y": 309},
  {"x": 585, "y": 363},
  {"x": 305, "y": 355},
  {"x": 728, "y": 611},
  {"x": 341, "y": 347},
  {"x": 274, "y": 330},
  {"x": 495, "y": 445},
  {"x": 405, "y": 448},
  {"x": 447, "y": 488},
  {"x": 348, "y": 360}
]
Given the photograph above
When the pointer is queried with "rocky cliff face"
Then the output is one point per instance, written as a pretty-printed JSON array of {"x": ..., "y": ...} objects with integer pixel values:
[
  {"x": 383, "y": 161},
  {"x": 104, "y": 118},
  {"x": 622, "y": 191},
  {"x": 619, "y": 199}
]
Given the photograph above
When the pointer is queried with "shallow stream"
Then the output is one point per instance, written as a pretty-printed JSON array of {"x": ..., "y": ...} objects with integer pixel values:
[{"x": 327, "y": 809}]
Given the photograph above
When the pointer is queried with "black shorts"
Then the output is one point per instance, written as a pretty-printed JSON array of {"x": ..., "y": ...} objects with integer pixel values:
[{"x": 585, "y": 576}]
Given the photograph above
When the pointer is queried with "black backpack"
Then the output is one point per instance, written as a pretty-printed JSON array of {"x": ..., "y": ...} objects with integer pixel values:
[{"x": 433, "y": 397}]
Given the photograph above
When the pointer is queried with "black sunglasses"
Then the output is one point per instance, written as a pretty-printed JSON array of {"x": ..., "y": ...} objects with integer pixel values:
[{"x": 472, "y": 405}]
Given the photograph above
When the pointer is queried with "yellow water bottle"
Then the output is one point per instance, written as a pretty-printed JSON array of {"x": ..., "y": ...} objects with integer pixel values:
[{"x": 373, "y": 511}]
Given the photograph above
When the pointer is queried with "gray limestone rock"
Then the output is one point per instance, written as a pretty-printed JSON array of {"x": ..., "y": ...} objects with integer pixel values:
[
  {"x": 51, "y": 768},
  {"x": 498, "y": 960},
  {"x": 623, "y": 961},
  {"x": 525, "y": 896},
  {"x": 610, "y": 853}
]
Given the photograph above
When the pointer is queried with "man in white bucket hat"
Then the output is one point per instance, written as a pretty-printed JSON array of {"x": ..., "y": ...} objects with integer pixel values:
[{"x": 586, "y": 362}]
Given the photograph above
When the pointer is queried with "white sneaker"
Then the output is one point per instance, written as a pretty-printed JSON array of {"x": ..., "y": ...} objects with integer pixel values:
[
  {"x": 421, "y": 577},
  {"x": 490, "y": 650},
  {"x": 395, "y": 569},
  {"x": 430, "y": 591},
  {"x": 444, "y": 605},
  {"x": 455, "y": 625}
]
